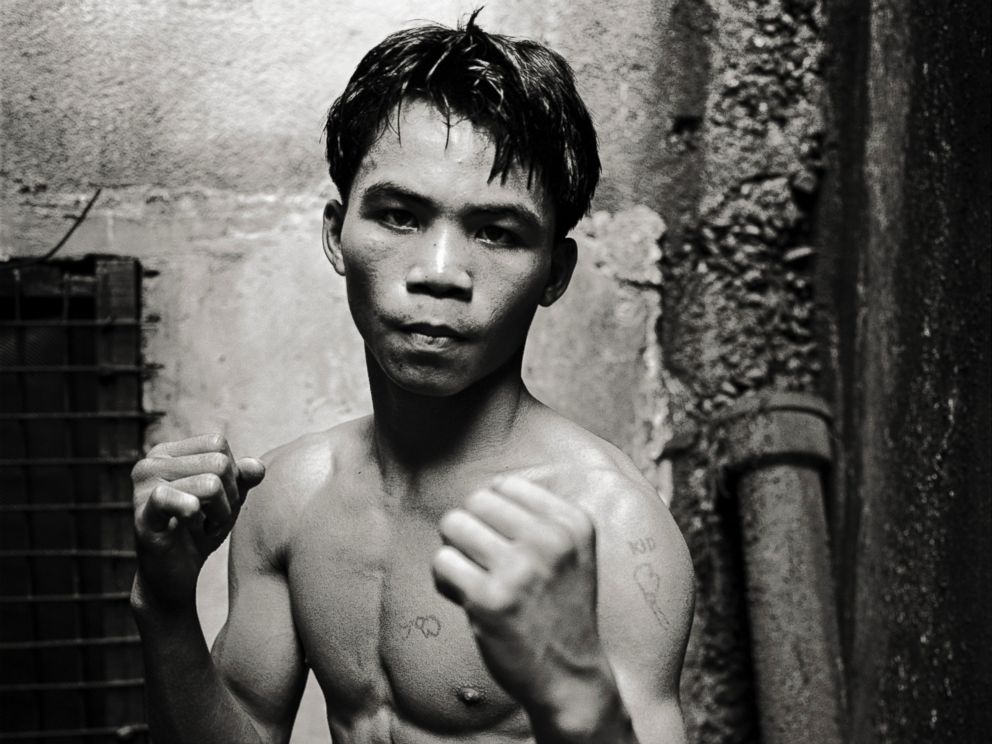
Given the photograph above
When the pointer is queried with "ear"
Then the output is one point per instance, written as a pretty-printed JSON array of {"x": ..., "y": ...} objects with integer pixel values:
[
  {"x": 331, "y": 234},
  {"x": 563, "y": 257}
]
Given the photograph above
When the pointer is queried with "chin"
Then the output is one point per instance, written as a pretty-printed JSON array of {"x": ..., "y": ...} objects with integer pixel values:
[
  {"x": 438, "y": 376},
  {"x": 429, "y": 380},
  {"x": 430, "y": 383}
]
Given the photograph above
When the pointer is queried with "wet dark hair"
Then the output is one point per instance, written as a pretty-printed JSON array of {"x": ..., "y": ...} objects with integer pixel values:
[{"x": 522, "y": 93}]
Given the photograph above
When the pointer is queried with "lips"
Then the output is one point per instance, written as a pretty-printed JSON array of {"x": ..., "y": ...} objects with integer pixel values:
[
  {"x": 431, "y": 338},
  {"x": 433, "y": 330}
]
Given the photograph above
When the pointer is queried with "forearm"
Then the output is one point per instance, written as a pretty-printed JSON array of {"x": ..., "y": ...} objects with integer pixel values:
[{"x": 188, "y": 700}]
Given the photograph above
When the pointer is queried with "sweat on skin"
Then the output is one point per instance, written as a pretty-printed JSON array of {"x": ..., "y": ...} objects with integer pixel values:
[{"x": 464, "y": 564}]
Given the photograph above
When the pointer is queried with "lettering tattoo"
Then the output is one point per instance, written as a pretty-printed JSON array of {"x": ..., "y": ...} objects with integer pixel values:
[
  {"x": 649, "y": 582},
  {"x": 429, "y": 626},
  {"x": 642, "y": 546}
]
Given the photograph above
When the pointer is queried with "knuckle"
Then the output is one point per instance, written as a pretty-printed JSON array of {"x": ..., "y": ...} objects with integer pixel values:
[
  {"x": 146, "y": 469},
  {"x": 442, "y": 562},
  {"x": 217, "y": 463},
  {"x": 449, "y": 522},
  {"x": 559, "y": 543},
  {"x": 475, "y": 500},
  {"x": 217, "y": 441},
  {"x": 515, "y": 481},
  {"x": 443, "y": 558},
  {"x": 501, "y": 598},
  {"x": 211, "y": 483},
  {"x": 159, "y": 494},
  {"x": 520, "y": 573},
  {"x": 438, "y": 562},
  {"x": 140, "y": 471},
  {"x": 529, "y": 569}
]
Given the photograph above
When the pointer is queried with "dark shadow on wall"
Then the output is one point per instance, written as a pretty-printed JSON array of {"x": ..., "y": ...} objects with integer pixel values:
[{"x": 905, "y": 224}]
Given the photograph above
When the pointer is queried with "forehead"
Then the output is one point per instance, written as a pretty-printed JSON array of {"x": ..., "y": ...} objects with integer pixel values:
[{"x": 445, "y": 161}]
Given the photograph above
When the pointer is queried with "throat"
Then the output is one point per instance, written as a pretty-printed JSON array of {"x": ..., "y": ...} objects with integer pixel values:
[{"x": 416, "y": 433}]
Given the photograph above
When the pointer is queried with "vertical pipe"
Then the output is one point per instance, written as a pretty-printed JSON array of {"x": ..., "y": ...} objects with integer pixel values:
[
  {"x": 777, "y": 448},
  {"x": 790, "y": 604}
]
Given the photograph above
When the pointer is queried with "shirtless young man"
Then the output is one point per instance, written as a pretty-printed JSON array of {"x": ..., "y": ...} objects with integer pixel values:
[{"x": 460, "y": 565}]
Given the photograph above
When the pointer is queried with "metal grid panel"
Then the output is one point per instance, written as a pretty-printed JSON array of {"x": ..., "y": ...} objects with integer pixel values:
[{"x": 71, "y": 426}]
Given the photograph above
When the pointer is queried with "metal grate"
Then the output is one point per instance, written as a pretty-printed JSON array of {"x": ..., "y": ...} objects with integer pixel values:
[{"x": 71, "y": 425}]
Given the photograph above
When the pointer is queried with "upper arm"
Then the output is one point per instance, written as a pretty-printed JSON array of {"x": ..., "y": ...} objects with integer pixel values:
[
  {"x": 258, "y": 652},
  {"x": 645, "y": 603}
]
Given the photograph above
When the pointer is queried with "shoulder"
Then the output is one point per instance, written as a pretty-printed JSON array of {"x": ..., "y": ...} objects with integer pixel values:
[
  {"x": 633, "y": 523},
  {"x": 296, "y": 473},
  {"x": 598, "y": 476},
  {"x": 635, "y": 531},
  {"x": 646, "y": 581}
]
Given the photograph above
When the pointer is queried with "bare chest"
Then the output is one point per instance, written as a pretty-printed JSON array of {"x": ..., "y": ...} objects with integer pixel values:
[{"x": 379, "y": 637}]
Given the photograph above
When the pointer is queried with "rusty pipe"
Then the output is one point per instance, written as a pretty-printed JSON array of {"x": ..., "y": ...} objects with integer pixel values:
[
  {"x": 774, "y": 450},
  {"x": 777, "y": 448}
]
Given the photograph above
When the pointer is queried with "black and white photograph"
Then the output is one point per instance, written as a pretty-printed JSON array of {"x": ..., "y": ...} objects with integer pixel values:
[{"x": 495, "y": 372}]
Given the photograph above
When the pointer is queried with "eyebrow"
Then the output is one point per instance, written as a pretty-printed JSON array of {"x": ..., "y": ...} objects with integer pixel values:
[{"x": 392, "y": 190}]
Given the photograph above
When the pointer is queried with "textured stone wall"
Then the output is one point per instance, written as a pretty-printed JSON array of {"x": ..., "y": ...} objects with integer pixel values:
[{"x": 739, "y": 311}]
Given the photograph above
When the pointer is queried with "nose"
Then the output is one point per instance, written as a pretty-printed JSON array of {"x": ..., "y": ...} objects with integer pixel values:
[{"x": 439, "y": 269}]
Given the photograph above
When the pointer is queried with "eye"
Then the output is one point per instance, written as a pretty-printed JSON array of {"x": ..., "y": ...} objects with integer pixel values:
[
  {"x": 498, "y": 235},
  {"x": 398, "y": 218}
]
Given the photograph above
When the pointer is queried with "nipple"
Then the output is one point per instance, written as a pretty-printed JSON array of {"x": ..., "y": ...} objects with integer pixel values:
[{"x": 471, "y": 695}]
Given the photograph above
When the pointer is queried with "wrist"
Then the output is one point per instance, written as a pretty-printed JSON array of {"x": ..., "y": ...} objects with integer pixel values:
[
  {"x": 584, "y": 712},
  {"x": 147, "y": 603}
]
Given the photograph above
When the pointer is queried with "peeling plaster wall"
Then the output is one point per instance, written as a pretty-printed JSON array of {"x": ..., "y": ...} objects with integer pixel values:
[{"x": 201, "y": 121}]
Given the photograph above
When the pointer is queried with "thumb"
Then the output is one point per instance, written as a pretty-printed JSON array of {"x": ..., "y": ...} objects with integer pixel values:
[{"x": 250, "y": 472}]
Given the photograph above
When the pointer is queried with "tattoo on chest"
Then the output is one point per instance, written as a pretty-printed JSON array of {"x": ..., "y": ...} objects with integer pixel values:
[
  {"x": 428, "y": 626},
  {"x": 649, "y": 582},
  {"x": 642, "y": 545}
]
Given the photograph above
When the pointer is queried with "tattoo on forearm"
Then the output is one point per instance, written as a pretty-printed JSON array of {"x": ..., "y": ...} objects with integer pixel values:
[
  {"x": 642, "y": 545},
  {"x": 429, "y": 626},
  {"x": 649, "y": 582}
]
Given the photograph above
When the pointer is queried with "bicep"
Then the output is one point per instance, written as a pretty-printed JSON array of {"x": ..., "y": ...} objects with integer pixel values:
[
  {"x": 258, "y": 652},
  {"x": 646, "y": 594}
]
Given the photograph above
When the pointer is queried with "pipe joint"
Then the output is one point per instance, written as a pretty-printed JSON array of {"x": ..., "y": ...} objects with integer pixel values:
[{"x": 776, "y": 429}]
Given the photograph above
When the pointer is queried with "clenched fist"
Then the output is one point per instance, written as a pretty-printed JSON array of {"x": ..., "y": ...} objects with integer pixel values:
[
  {"x": 187, "y": 496},
  {"x": 521, "y": 561}
]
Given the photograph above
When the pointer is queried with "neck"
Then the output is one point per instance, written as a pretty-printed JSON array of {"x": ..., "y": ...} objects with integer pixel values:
[{"x": 421, "y": 435}]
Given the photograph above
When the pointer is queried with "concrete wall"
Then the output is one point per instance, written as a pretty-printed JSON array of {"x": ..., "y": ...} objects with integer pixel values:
[
  {"x": 201, "y": 121},
  {"x": 230, "y": 94}
]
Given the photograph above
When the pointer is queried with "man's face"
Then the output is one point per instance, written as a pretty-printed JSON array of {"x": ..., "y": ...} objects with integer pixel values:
[{"x": 444, "y": 267}]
